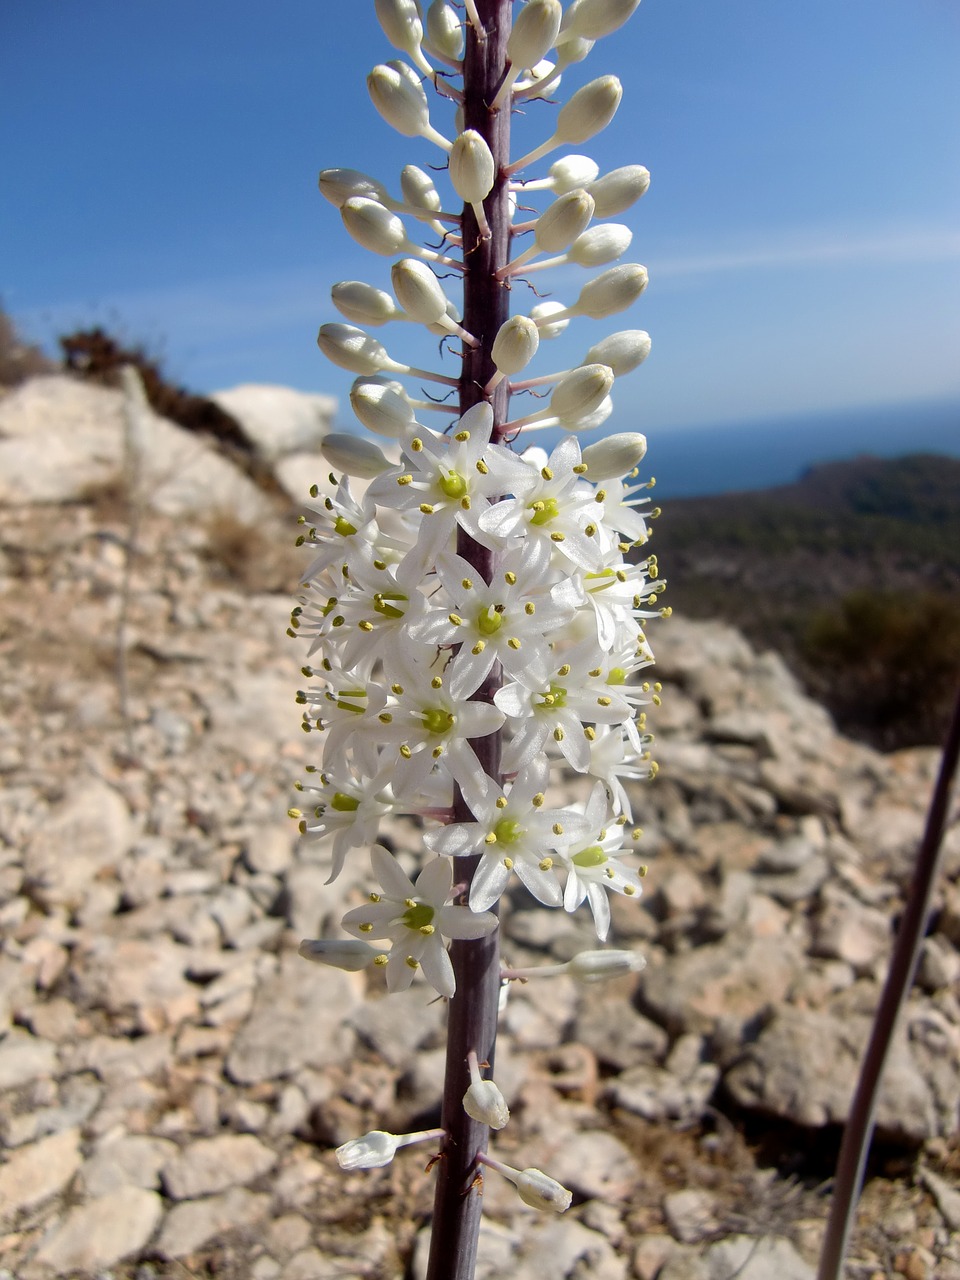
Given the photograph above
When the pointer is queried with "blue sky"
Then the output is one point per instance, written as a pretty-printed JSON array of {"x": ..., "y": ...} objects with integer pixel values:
[{"x": 801, "y": 229}]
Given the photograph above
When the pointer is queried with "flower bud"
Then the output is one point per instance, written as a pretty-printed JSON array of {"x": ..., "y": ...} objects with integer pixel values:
[
  {"x": 540, "y": 75},
  {"x": 472, "y": 170},
  {"x": 400, "y": 98},
  {"x": 484, "y": 1102},
  {"x": 581, "y": 392},
  {"x": 339, "y": 185},
  {"x": 352, "y": 349},
  {"x": 619, "y": 189},
  {"x": 612, "y": 291},
  {"x": 598, "y": 966},
  {"x": 372, "y": 1151},
  {"x": 600, "y": 245},
  {"x": 560, "y": 224},
  {"x": 596, "y": 419},
  {"x": 589, "y": 110},
  {"x": 419, "y": 189},
  {"x": 401, "y": 23},
  {"x": 418, "y": 291},
  {"x": 614, "y": 456},
  {"x": 353, "y": 456},
  {"x": 515, "y": 345},
  {"x": 372, "y": 226},
  {"x": 541, "y": 1192},
  {"x": 381, "y": 405},
  {"x": 444, "y": 30},
  {"x": 547, "y": 328},
  {"x": 592, "y": 19},
  {"x": 622, "y": 351},
  {"x": 340, "y": 953},
  {"x": 535, "y": 30},
  {"x": 570, "y": 172},
  {"x": 363, "y": 304}
]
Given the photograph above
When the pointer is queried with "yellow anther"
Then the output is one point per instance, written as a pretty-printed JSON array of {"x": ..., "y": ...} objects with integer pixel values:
[
  {"x": 589, "y": 733},
  {"x": 401, "y": 480},
  {"x": 462, "y": 436},
  {"x": 557, "y": 537},
  {"x": 546, "y": 473},
  {"x": 366, "y": 927},
  {"x": 405, "y": 751},
  {"x": 538, "y": 800},
  {"x": 501, "y": 802},
  {"x": 436, "y": 682},
  {"x": 508, "y": 863},
  {"x": 381, "y": 960},
  {"x": 636, "y": 833},
  {"x": 455, "y": 619},
  {"x": 397, "y": 689},
  {"x": 629, "y": 890},
  {"x": 479, "y": 647},
  {"x": 557, "y": 829},
  {"x": 467, "y": 584},
  {"x": 380, "y": 564},
  {"x": 580, "y": 469},
  {"x": 604, "y": 702},
  {"x": 490, "y": 838},
  {"x": 416, "y": 445},
  {"x": 513, "y": 643},
  {"x": 364, "y": 625},
  {"x": 510, "y": 578},
  {"x": 412, "y": 963},
  {"x": 482, "y": 467},
  {"x": 426, "y": 508},
  {"x": 558, "y": 734},
  {"x": 590, "y": 530},
  {"x": 427, "y": 929},
  {"x": 530, "y": 608},
  {"x": 545, "y": 864},
  {"x": 374, "y": 897},
  {"x": 564, "y": 670},
  {"x": 385, "y": 717},
  {"x": 600, "y": 495}
]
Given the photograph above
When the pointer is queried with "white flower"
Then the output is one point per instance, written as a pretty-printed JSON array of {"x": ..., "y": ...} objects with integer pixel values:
[
  {"x": 593, "y": 867},
  {"x": 510, "y": 621},
  {"x": 416, "y": 918},
  {"x": 513, "y": 832}
]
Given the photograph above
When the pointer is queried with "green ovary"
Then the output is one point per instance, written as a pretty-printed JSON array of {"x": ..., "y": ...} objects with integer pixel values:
[
  {"x": 344, "y": 803},
  {"x": 489, "y": 621},
  {"x": 418, "y": 917},
  {"x": 344, "y": 527},
  {"x": 555, "y": 697},
  {"x": 438, "y": 721},
  {"x": 592, "y": 857},
  {"x": 549, "y": 510},
  {"x": 617, "y": 676},
  {"x": 508, "y": 831},
  {"x": 453, "y": 485}
]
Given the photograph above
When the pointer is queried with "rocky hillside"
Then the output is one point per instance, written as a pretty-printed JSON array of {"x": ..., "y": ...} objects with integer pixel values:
[
  {"x": 173, "y": 1077},
  {"x": 853, "y": 574}
]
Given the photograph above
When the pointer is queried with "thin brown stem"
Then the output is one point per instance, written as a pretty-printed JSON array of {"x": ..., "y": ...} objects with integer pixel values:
[
  {"x": 903, "y": 963},
  {"x": 472, "y": 1021}
]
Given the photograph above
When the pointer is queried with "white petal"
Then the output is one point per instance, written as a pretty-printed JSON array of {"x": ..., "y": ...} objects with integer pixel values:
[{"x": 395, "y": 882}]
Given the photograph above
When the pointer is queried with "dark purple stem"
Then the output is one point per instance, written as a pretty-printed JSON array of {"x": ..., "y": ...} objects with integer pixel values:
[
  {"x": 472, "y": 1021},
  {"x": 903, "y": 964}
]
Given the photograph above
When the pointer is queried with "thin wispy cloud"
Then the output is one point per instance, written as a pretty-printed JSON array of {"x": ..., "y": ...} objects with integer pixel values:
[{"x": 831, "y": 249}]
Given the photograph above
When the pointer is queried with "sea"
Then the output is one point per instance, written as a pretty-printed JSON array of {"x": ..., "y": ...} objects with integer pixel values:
[{"x": 696, "y": 461}]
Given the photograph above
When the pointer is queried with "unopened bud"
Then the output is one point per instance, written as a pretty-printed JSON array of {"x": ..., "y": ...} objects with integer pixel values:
[
  {"x": 614, "y": 456},
  {"x": 599, "y": 966},
  {"x": 622, "y": 351},
  {"x": 382, "y": 406},
  {"x": 535, "y": 30},
  {"x": 589, "y": 110},
  {"x": 445, "y": 30},
  {"x": 570, "y": 172},
  {"x": 619, "y": 189},
  {"x": 515, "y": 345},
  {"x": 612, "y": 291},
  {"x": 560, "y": 224},
  {"x": 352, "y": 349},
  {"x": 546, "y": 327},
  {"x": 377, "y": 1148},
  {"x": 484, "y": 1102},
  {"x": 418, "y": 291},
  {"x": 599, "y": 245},
  {"x": 353, "y": 456},
  {"x": 401, "y": 23},
  {"x": 580, "y": 392},
  {"x": 542, "y": 1192},
  {"x": 339, "y": 185},
  {"x": 399, "y": 96},
  {"x": 363, "y": 304},
  {"x": 339, "y": 953},
  {"x": 592, "y": 19},
  {"x": 373, "y": 226},
  {"x": 472, "y": 170},
  {"x": 419, "y": 188}
]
